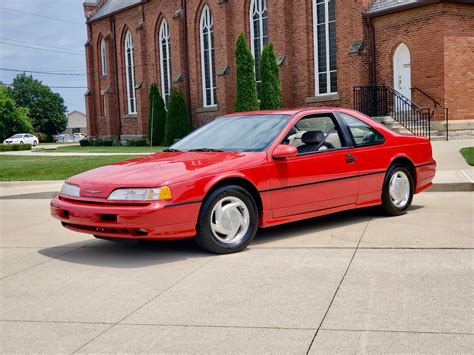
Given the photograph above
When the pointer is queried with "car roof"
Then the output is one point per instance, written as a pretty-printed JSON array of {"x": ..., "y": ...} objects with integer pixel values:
[{"x": 291, "y": 112}]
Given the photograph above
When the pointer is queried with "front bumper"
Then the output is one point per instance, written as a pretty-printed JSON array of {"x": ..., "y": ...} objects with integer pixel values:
[{"x": 157, "y": 220}]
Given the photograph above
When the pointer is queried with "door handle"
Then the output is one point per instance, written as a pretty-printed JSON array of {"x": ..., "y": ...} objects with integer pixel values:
[{"x": 350, "y": 158}]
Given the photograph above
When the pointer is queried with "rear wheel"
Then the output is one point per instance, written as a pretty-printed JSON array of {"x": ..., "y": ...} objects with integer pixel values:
[
  {"x": 35, "y": 143},
  {"x": 397, "y": 193},
  {"x": 228, "y": 220},
  {"x": 21, "y": 142}
]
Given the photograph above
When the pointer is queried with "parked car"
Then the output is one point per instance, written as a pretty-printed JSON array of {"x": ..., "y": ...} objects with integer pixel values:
[
  {"x": 79, "y": 136},
  {"x": 250, "y": 170},
  {"x": 22, "y": 138}
]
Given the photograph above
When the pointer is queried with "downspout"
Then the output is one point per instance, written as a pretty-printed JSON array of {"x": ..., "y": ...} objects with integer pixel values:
[
  {"x": 112, "y": 22},
  {"x": 186, "y": 62},
  {"x": 373, "y": 66}
]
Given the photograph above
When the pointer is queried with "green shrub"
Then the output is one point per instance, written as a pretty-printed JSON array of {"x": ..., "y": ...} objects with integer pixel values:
[
  {"x": 85, "y": 142},
  {"x": 116, "y": 143},
  {"x": 107, "y": 142},
  {"x": 14, "y": 147},
  {"x": 137, "y": 142},
  {"x": 156, "y": 117},
  {"x": 270, "y": 91},
  {"x": 178, "y": 123},
  {"x": 246, "y": 85}
]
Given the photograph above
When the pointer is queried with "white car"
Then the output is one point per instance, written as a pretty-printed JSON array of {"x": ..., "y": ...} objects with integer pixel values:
[{"x": 22, "y": 138}]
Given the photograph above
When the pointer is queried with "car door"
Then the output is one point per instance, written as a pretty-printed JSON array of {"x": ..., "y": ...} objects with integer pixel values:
[
  {"x": 368, "y": 150},
  {"x": 318, "y": 178},
  {"x": 28, "y": 138}
]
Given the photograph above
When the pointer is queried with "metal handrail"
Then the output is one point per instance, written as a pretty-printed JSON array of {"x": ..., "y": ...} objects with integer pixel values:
[
  {"x": 383, "y": 100},
  {"x": 437, "y": 103}
]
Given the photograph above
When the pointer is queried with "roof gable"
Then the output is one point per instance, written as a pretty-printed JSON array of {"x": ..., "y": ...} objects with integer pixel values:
[{"x": 112, "y": 6}]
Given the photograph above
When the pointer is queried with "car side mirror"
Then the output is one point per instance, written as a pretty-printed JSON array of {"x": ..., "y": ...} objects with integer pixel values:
[{"x": 284, "y": 151}]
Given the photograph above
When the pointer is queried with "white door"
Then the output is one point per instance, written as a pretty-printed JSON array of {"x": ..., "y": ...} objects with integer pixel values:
[{"x": 402, "y": 70}]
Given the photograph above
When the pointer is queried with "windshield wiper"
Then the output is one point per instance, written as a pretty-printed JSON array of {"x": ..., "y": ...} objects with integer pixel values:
[
  {"x": 205, "y": 150},
  {"x": 168, "y": 150}
]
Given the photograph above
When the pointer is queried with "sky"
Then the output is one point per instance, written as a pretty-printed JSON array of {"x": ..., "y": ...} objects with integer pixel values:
[{"x": 63, "y": 31}]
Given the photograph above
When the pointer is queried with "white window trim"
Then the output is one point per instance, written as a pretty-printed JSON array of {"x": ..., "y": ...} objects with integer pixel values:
[
  {"x": 164, "y": 34},
  {"x": 206, "y": 12},
  {"x": 103, "y": 57},
  {"x": 315, "y": 46},
  {"x": 263, "y": 5},
  {"x": 131, "y": 94}
]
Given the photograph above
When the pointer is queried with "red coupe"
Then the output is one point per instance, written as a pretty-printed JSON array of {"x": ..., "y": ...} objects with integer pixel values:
[{"x": 249, "y": 170}]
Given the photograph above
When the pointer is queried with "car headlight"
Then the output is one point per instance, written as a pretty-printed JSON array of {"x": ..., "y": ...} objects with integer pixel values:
[
  {"x": 141, "y": 194},
  {"x": 70, "y": 190}
]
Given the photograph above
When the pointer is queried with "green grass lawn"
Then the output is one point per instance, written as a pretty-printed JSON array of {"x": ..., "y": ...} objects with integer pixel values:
[
  {"x": 468, "y": 154},
  {"x": 119, "y": 149},
  {"x": 33, "y": 168}
]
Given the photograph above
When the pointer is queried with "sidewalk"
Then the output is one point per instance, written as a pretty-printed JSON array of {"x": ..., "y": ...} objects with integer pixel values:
[{"x": 453, "y": 173}]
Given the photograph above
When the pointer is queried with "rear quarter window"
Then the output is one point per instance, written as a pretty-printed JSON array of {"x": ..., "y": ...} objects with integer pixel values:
[{"x": 362, "y": 133}]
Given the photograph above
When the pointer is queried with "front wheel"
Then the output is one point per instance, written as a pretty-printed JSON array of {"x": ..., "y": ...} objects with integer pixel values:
[
  {"x": 35, "y": 143},
  {"x": 228, "y": 220},
  {"x": 397, "y": 193}
]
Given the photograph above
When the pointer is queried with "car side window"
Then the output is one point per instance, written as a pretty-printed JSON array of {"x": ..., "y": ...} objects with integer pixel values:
[
  {"x": 315, "y": 133},
  {"x": 362, "y": 133}
]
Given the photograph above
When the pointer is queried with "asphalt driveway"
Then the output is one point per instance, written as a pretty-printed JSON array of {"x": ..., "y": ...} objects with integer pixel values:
[{"x": 348, "y": 283}]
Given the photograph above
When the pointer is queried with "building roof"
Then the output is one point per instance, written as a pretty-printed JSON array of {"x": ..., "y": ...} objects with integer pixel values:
[
  {"x": 112, "y": 6},
  {"x": 78, "y": 112},
  {"x": 389, "y": 5}
]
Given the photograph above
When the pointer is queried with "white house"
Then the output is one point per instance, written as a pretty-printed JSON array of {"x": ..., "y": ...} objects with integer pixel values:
[{"x": 76, "y": 123}]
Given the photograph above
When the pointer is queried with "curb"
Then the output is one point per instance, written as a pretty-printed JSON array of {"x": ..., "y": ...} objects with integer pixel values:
[{"x": 452, "y": 187}]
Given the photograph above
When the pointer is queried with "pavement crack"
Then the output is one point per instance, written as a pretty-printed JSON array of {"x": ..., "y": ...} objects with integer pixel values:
[
  {"x": 338, "y": 286},
  {"x": 144, "y": 304}
]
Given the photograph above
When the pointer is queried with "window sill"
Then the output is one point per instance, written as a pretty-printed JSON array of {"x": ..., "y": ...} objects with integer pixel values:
[
  {"x": 130, "y": 115},
  {"x": 207, "y": 109},
  {"x": 323, "y": 98}
]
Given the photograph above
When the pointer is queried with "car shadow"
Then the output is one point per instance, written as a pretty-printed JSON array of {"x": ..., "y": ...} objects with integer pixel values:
[
  {"x": 127, "y": 254},
  {"x": 138, "y": 254}
]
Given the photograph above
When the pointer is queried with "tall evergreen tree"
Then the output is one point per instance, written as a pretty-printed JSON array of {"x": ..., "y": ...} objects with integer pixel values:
[
  {"x": 178, "y": 123},
  {"x": 270, "y": 91},
  {"x": 246, "y": 91},
  {"x": 156, "y": 117}
]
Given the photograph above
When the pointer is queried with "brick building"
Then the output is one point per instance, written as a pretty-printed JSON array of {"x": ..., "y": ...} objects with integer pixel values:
[{"x": 325, "y": 48}]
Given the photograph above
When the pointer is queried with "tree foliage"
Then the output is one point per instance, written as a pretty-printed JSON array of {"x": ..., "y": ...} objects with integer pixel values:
[
  {"x": 46, "y": 108},
  {"x": 246, "y": 91},
  {"x": 13, "y": 119},
  {"x": 156, "y": 117},
  {"x": 270, "y": 91},
  {"x": 178, "y": 123}
]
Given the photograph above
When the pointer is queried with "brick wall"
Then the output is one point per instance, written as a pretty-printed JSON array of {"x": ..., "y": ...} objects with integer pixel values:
[
  {"x": 440, "y": 40},
  {"x": 290, "y": 30}
]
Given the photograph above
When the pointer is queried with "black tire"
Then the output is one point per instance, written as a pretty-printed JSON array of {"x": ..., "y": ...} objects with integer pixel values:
[
  {"x": 388, "y": 206},
  {"x": 35, "y": 143},
  {"x": 205, "y": 237},
  {"x": 21, "y": 142}
]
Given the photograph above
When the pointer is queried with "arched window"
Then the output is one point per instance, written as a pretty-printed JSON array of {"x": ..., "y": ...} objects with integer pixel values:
[
  {"x": 206, "y": 30},
  {"x": 103, "y": 57},
  {"x": 130, "y": 74},
  {"x": 165, "y": 59},
  {"x": 258, "y": 31},
  {"x": 324, "y": 32}
]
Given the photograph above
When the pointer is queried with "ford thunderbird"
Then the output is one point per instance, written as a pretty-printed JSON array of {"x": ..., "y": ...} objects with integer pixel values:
[{"x": 246, "y": 171}]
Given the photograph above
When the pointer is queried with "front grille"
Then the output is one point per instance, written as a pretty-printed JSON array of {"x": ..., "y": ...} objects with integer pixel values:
[
  {"x": 132, "y": 232},
  {"x": 103, "y": 203}
]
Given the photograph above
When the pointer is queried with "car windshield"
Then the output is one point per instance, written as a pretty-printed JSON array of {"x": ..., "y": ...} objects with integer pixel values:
[
  {"x": 18, "y": 136},
  {"x": 247, "y": 133}
]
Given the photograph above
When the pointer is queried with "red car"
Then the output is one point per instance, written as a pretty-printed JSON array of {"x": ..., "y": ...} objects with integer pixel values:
[{"x": 249, "y": 170}]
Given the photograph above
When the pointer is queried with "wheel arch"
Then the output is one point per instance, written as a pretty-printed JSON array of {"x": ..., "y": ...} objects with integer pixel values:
[
  {"x": 238, "y": 181},
  {"x": 407, "y": 162}
]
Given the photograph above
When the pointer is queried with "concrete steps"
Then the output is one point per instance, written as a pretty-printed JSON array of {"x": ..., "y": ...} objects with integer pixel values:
[{"x": 459, "y": 129}]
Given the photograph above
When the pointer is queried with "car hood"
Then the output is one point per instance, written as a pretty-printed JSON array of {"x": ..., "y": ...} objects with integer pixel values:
[{"x": 161, "y": 169}]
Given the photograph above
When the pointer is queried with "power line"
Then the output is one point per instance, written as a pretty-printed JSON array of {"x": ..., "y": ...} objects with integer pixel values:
[
  {"x": 40, "y": 45},
  {"x": 42, "y": 16},
  {"x": 40, "y": 49},
  {"x": 41, "y": 72},
  {"x": 57, "y": 87}
]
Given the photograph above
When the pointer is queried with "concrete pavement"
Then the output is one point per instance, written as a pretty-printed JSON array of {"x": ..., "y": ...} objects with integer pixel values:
[{"x": 354, "y": 282}]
